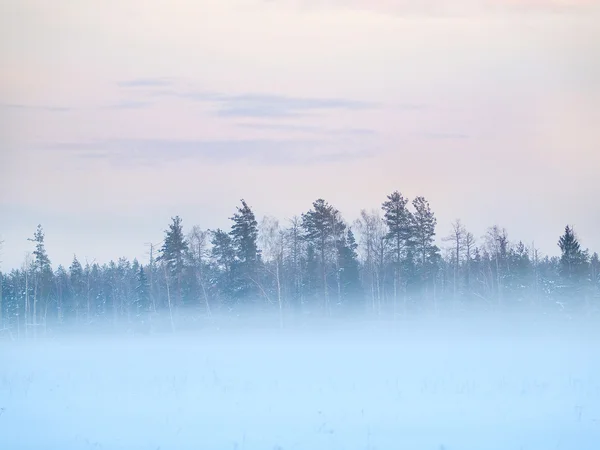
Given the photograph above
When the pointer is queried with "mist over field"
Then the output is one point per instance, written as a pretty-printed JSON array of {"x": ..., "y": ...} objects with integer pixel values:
[
  {"x": 299, "y": 225},
  {"x": 464, "y": 381},
  {"x": 306, "y": 337}
]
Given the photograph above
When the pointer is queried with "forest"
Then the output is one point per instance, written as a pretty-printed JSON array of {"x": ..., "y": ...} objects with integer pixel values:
[{"x": 384, "y": 264}]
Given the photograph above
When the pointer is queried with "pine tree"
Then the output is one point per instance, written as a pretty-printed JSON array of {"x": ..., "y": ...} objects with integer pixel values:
[
  {"x": 42, "y": 272},
  {"x": 244, "y": 236},
  {"x": 173, "y": 254},
  {"x": 42, "y": 261},
  {"x": 398, "y": 220},
  {"x": 223, "y": 257},
  {"x": 310, "y": 269},
  {"x": 323, "y": 227},
  {"x": 349, "y": 267},
  {"x": 426, "y": 252}
]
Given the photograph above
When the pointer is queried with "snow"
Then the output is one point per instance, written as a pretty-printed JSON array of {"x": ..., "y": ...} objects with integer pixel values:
[{"x": 423, "y": 385}]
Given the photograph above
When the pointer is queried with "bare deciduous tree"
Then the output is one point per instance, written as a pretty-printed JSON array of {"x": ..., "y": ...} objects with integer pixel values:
[
  {"x": 271, "y": 238},
  {"x": 496, "y": 240},
  {"x": 295, "y": 249},
  {"x": 372, "y": 241},
  {"x": 457, "y": 240},
  {"x": 199, "y": 253}
]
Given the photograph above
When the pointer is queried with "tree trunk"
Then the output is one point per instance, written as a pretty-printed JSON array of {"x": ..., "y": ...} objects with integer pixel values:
[
  {"x": 279, "y": 299},
  {"x": 169, "y": 298},
  {"x": 204, "y": 293},
  {"x": 1, "y": 305},
  {"x": 26, "y": 300},
  {"x": 35, "y": 299}
]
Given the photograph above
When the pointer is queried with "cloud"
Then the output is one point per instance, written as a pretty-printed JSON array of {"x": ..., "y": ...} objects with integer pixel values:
[
  {"x": 309, "y": 129},
  {"x": 124, "y": 104},
  {"x": 136, "y": 152},
  {"x": 146, "y": 82},
  {"x": 443, "y": 136},
  {"x": 130, "y": 104},
  {"x": 250, "y": 105},
  {"x": 264, "y": 105},
  {"x": 49, "y": 108},
  {"x": 443, "y": 8}
]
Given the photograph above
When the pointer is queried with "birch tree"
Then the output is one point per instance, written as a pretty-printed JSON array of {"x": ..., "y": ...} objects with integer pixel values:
[
  {"x": 272, "y": 242},
  {"x": 373, "y": 248}
]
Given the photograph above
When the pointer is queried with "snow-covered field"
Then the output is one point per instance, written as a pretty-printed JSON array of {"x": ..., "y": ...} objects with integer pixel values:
[{"x": 419, "y": 386}]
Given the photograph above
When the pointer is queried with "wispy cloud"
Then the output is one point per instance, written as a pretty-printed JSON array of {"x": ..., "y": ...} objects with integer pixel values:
[
  {"x": 308, "y": 129},
  {"x": 124, "y": 104},
  {"x": 265, "y": 105},
  {"x": 130, "y": 104},
  {"x": 444, "y": 8},
  {"x": 252, "y": 151},
  {"x": 49, "y": 108},
  {"x": 249, "y": 105},
  {"x": 146, "y": 82},
  {"x": 443, "y": 136}
]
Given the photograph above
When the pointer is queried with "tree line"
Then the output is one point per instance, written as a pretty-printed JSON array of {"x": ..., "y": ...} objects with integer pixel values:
[{"x": 385, "y": 263}]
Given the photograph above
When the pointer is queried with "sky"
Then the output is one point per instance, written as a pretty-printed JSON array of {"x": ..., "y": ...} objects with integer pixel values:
[{"x": 117, "y": 115}]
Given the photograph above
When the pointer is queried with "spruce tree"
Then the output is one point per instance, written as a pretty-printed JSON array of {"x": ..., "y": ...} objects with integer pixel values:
[
  {"x": 573, "y": 269},
  {"x": 573, "y": 261},
  {"x": 519, "y": 271},
  {"x": 174, "y": 248},
  {"x": 76, "y": 282}
]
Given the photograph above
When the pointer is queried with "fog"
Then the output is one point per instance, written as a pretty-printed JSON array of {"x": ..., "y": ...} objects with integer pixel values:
[{"x": 502, "y": 381}]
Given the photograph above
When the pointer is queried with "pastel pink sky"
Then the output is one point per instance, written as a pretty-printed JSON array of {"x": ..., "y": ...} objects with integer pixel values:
[{"x": 117, "y": 115}]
